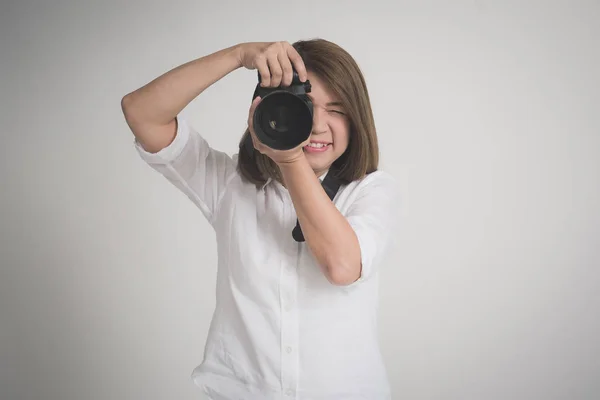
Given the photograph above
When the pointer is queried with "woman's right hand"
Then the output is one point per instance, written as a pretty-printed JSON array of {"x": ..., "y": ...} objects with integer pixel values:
[{"x": 274, "y": 61}]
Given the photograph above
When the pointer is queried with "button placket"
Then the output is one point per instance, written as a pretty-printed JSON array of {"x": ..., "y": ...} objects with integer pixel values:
[{"x": 289, "y": 315}]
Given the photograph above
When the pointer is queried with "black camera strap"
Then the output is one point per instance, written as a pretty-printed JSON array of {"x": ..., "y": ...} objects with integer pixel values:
[{"x": 331, "y": 184}]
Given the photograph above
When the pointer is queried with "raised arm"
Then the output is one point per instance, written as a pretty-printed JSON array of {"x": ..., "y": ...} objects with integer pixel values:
[
  {"x": 151, "y": 110},
  {"x": 174, "y": 148}
]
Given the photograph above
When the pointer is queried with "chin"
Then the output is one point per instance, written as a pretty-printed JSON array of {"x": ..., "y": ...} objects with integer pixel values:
[
  {"x": 320, "y": 166},
  {"x": 314, "y": 164}
]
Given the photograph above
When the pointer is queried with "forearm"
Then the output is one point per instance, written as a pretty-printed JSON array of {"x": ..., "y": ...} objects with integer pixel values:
[
  {"x": 162, "y": 99},
  {"x": 328, "y": 234}
]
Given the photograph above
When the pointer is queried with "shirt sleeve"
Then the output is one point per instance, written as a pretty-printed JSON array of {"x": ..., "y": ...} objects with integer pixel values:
[
  {"x": 189, "y": 163},
  {"x": 373, "y": 216}
]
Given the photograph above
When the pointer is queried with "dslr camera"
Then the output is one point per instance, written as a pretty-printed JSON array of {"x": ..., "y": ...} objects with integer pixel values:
[{"x": 283, "y": 119}]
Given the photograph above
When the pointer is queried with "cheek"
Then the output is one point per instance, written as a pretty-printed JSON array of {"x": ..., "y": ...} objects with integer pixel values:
[{"x": 341, "y": 137}]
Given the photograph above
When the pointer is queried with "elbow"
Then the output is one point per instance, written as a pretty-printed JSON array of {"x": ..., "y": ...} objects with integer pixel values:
[
  {"x": 339, "y": 274},
  {"x": 131, "y": 113},
  {"x": 126, "y": 105},
  {"x": 343, "y": 268},
  {"x": 131, "y": 107}
]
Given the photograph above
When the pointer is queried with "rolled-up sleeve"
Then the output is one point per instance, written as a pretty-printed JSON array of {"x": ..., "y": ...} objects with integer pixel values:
[
  {"x": 188, "y": 162},
  {"x": 373, "y": 216}
]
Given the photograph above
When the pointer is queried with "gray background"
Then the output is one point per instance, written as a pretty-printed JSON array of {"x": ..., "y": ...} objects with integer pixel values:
[{"x": 487, "y": 113}]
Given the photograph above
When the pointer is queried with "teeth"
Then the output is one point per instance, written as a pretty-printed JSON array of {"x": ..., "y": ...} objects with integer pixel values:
[{"x": 317, "y": 145}]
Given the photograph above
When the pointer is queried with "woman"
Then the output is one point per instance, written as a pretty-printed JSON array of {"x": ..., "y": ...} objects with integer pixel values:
[{"x": 294, "y": 319}]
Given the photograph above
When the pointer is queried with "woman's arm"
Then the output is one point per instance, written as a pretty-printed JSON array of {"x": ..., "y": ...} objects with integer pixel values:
[
  {"x": 328, "y": 234},
  {"x": 150, "y": 111}
]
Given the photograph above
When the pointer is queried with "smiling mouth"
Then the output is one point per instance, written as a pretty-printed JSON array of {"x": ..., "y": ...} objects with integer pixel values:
[{"x": 317, "y": 145}]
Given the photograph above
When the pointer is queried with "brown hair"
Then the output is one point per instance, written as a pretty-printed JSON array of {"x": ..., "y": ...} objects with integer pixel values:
[{"x": 340, "y": 73}]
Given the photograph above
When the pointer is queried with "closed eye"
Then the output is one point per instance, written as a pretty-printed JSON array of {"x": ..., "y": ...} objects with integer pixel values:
[{"x": 337, "y": 112}]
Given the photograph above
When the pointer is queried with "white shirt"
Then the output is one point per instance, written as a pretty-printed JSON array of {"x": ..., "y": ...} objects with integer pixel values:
[{"x": 280, "y": 329}]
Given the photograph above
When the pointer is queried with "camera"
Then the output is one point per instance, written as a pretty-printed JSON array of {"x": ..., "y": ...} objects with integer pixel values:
[{"x": 283, "y": 119}]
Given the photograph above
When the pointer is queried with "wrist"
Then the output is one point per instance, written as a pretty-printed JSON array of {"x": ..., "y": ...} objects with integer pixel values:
[
  {"x": 238, "y": 54},
  {"x": 292, "y": 161}
]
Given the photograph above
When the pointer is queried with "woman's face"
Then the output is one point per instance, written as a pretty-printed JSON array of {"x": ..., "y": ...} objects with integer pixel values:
[{"x": 331, "y": 129}]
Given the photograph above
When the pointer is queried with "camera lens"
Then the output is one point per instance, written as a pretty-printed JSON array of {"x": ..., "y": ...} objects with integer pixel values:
[
  {"x": 282, "y": 120},
  {"x": 278, "y": 120}
]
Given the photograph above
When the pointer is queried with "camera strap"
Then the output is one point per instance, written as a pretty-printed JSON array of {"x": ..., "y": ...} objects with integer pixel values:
[{"x": 331, "y": 184}]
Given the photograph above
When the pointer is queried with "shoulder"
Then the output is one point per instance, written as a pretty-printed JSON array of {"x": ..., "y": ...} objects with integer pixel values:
[
  {"x": 376, "y": 192},
  {"x": 375, "y": 183},
  {"x": 379, "y": 177}
]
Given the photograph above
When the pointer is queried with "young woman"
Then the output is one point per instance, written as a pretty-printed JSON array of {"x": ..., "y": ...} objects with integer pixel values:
[{"x": 294, "y": 319}]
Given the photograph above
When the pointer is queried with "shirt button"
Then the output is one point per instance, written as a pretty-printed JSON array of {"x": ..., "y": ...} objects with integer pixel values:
[
  {"x": 289, "y": 392},
  {"x": 288, "y": 349}
]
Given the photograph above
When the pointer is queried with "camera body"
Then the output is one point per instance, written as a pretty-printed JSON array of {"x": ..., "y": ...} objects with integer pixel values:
[{"x": 283, "y": 118}]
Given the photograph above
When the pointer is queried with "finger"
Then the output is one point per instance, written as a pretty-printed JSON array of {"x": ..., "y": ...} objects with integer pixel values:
[
  {"x": 253, "y": 141},
  {"x": 251, "y": 113},
  {"x": 255, "y": 103},
  {"x": 286, "y": 66},
  {"x": 275, "y": 68},
  {"x": 253, "y": 137},
  {"x": 297, "y": 62},
  {"x": 263, "y": 69},
  {"x": 303, "y": 144}
]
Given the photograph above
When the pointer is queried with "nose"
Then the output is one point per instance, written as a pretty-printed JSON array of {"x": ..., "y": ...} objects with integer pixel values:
[{"x": 319, "y": 122}]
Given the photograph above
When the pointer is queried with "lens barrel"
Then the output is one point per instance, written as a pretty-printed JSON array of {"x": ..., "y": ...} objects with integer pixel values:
[{"x": 283, "y": 118}]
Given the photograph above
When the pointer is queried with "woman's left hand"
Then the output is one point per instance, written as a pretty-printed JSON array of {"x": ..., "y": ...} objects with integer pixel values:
[{"x": 278, "y": 156}]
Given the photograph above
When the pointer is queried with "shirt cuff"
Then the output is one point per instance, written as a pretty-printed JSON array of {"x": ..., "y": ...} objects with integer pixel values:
[{"x": 169, "y": 153}]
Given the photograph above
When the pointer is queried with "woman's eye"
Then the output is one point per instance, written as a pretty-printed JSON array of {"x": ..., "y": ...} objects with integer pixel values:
[{"x": 337, "y": 112}]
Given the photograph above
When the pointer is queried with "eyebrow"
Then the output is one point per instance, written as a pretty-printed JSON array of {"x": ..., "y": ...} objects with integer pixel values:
[{"x": 330, "y": 104}]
